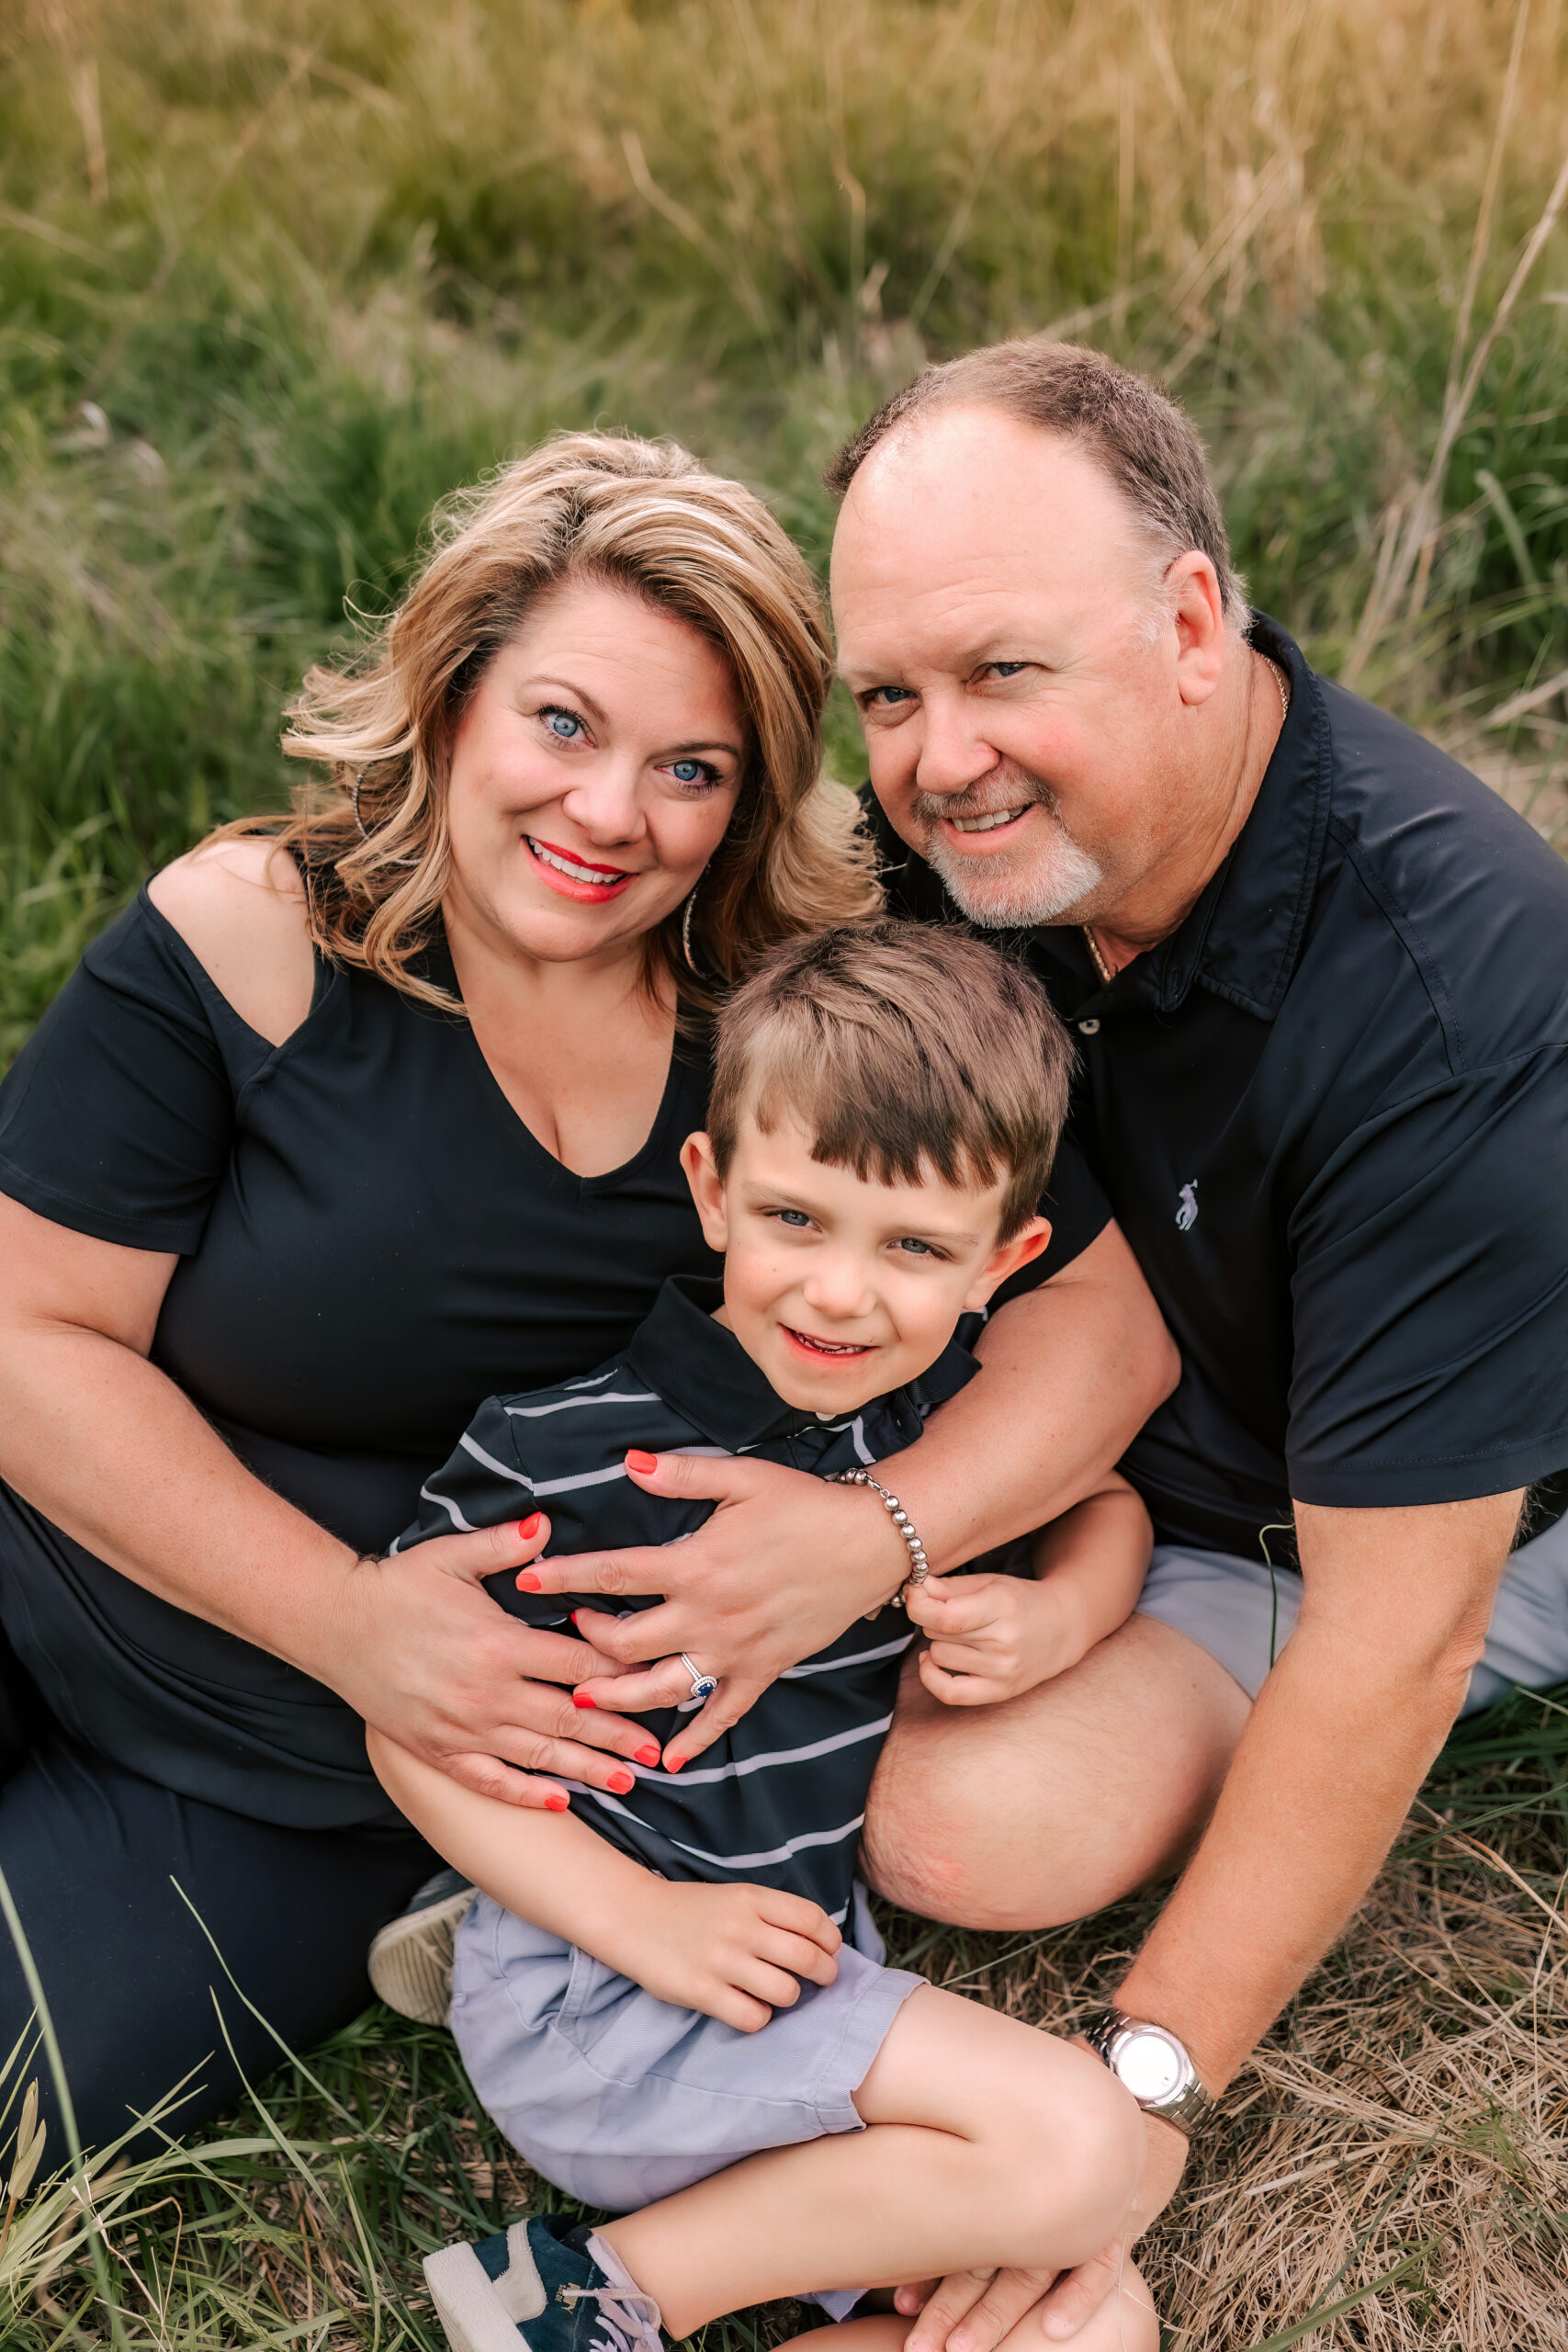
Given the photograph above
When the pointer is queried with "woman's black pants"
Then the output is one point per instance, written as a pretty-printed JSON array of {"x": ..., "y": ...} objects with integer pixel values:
[{"x": 98, "y": 1861}]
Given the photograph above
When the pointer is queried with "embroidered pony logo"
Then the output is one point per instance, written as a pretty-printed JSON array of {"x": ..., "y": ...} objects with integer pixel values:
[{"x": 1187, "y": 1207}]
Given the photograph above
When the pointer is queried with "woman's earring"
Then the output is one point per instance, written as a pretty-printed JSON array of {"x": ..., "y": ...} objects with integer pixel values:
[{"x": 687, "y": 929}]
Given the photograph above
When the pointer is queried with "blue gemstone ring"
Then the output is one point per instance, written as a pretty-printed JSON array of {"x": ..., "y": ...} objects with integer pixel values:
[{"x": 702, "y": 1685}]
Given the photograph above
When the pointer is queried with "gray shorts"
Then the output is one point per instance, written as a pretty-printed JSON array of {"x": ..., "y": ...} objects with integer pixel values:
[
  {"x": 619, "y": 2099},
  {"x": 1243, "y": 1613}
]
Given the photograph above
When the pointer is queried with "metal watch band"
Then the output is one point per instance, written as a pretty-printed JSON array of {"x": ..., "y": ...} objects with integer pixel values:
[{"x": 1188, "y": 2104}]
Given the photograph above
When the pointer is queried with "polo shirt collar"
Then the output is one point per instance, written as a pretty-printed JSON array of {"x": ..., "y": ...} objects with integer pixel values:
[
  {"x": 1242, "y": 939},
  {"x": 705, "y": 1373}
]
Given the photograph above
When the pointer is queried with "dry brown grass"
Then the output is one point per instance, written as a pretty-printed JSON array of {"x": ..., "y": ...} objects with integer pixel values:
[
  {"x": 1406, "y": 2122},
  {"x": 1390, "y": 2173}
]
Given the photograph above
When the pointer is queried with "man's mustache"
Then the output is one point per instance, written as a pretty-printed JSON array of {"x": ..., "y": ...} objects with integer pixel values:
[{"x": 1019, "y": 790}]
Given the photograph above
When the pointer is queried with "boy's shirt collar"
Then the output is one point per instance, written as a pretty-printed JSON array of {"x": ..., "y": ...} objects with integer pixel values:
[{"x": 705, "y": 1373}]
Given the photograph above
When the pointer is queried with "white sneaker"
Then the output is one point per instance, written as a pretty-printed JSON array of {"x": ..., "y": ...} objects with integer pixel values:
[{"x": 411, "y": 1960}]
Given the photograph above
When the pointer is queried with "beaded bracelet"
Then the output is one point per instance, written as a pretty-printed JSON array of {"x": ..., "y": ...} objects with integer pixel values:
[{"x": 920, "y": 1566}]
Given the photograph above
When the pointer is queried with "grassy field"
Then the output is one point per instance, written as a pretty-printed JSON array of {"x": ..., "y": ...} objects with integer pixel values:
[{"x": 275, "y": 276}]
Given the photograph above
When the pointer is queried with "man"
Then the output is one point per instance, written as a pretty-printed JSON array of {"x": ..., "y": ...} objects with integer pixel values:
[{"x": 1319, "y": 980}]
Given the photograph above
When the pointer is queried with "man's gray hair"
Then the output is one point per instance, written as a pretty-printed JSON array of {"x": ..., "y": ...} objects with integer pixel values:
[{"x": 1143, "y": 441}]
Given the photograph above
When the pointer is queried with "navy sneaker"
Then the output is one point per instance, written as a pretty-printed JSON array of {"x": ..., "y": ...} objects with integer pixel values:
[{"x": 537, "y": 2284}]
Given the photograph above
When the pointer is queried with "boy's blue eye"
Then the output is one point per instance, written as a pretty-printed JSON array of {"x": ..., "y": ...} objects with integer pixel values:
[
  {"x": 794, "y": 1216},
  {"x": 918, "y": 1249}
]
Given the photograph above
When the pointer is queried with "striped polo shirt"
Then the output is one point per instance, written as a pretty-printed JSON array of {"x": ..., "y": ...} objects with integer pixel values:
[{"x": 779, "y": 1800}]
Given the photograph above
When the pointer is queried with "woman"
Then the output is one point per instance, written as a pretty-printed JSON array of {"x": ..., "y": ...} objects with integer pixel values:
[{"x": 346, "y": 1123}]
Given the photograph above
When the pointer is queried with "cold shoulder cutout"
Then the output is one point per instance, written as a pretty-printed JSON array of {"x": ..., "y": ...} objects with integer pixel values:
[{"x": 240, "y": 908}]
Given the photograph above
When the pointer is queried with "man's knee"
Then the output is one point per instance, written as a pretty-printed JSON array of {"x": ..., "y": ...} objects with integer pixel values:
[{"x": 1045, "y": 1809}]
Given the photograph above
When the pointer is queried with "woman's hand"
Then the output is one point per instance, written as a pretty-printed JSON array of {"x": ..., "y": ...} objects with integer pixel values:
[
  {"x": 991, "y": 1637},
  {"x": 785, "y": 1564},
  {"x": 420, "y": 1650},
  {"x": 734, "y": 1952}
]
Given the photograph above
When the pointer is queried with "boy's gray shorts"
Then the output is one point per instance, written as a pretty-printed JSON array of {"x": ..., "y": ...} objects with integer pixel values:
[
  {"x": 620, "y": 2098},
  {"x": 1243, "y": 1613}
]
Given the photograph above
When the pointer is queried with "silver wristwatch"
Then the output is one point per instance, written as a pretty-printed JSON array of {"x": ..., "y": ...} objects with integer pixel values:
[{"x": 1153, "y": 2065}]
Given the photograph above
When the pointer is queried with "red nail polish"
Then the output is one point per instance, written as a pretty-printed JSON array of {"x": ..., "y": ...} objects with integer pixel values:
[
  {"x": 581, "y": 1699},
  {"x": 674, "y": 1763},
  {"x": 528, "y": 1528},
  {"x": 619, "y": 1782},
  {"x": 527, "y": 1581},
  {"x": 558, "y": 1803},
  {"x": 638, "y": 1459},
  {"x": 648, "y": 1755},
  {"x": 573, "y": 1614}
]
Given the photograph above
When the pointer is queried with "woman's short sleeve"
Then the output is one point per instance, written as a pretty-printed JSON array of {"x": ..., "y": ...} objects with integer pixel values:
[{"x": 117, "y": 1117}]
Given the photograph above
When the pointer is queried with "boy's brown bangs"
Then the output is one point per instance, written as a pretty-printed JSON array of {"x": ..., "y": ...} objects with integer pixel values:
[{"x": 905, "y": 1052}]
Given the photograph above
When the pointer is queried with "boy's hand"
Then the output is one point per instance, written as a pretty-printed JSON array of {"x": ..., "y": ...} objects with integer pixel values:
[
  {"x": 991, "y": 1637},
  {"x": 734, "y": 1952}
]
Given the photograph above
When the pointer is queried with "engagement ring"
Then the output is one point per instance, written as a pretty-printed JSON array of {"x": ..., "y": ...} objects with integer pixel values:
[{"x": 702, "y": 1685}]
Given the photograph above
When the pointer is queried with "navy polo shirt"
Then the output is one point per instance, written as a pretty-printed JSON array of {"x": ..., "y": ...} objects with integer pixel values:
[{"x": 1330, "y": 1113}]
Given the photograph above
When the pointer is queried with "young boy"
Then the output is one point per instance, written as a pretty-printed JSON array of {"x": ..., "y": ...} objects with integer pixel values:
[{"x": 672, "y": 1999}]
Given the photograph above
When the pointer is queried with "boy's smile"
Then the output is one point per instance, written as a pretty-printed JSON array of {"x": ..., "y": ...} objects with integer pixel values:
[{"x": 838, "y": 1287}]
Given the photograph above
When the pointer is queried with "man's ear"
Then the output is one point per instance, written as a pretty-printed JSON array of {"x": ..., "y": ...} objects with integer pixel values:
[
  {"x": 708, "y": 1188},
  {"x": 1006, "y": 1260},
  {"x": 1192, "y": 585}
]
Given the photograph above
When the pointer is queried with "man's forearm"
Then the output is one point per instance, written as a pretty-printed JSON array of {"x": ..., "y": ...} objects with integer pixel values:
[
  {"x": 1343, "y": 1732},
  {"x": 1321, "y": 1782},
  {"x": 1068, "y": 1375}
]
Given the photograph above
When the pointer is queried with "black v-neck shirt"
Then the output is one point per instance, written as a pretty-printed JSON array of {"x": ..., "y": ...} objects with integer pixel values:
[{"x": 370, "y": 1242}]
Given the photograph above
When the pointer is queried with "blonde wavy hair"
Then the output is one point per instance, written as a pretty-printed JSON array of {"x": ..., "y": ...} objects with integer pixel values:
[{"x": 373, "y": 844}]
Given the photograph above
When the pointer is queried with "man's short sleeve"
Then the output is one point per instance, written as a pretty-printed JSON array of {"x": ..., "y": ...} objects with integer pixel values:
[{"x": 1430, "y": 1296}]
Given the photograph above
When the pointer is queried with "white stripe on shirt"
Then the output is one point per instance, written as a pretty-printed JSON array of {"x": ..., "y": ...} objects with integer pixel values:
[
  {"x": 607, "y": 1396},
  {"x": 775, "y": 1853},
  {"x": 429, "y": 1495},
  {"x": 739, "y": 1770},
  {"x": 860, "y": 1657}
]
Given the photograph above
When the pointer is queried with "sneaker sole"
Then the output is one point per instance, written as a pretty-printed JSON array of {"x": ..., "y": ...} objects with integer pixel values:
[
  {"x": 411, "y": 1960},
  {"x": 479, "y": 2314}
]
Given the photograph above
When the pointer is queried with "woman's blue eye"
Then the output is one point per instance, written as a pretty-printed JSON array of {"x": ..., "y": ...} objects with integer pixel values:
[
  {"x": 893, "y": 694},
  {"x": 564, "y": 723},
  {"x": 689, "y": 770},
  {"x": 1008, "y": 669}
]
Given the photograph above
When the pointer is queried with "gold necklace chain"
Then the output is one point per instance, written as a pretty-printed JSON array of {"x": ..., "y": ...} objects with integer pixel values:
[{"x": 1283, "y": 680}]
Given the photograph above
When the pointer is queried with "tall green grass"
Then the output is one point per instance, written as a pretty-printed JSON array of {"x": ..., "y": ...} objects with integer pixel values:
[{"x": 273, "y": 278}]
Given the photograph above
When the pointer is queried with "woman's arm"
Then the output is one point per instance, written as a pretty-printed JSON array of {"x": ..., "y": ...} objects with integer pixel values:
[
  {"x": 734, "y": 1952},
  {"x": 108, "y": 1447},
  {"x": 1068, "y": 1375}
]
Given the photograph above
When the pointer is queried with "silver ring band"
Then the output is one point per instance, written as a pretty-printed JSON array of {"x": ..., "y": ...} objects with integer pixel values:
[{"x": 702, "y": 1685}]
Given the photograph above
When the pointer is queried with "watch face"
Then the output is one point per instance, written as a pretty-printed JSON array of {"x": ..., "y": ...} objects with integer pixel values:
[{"x": 1150, "y": 2065}]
